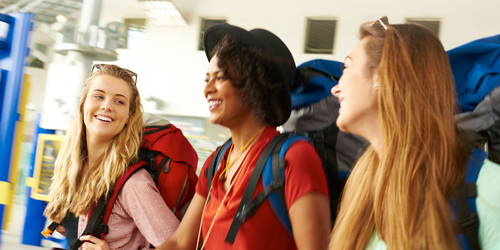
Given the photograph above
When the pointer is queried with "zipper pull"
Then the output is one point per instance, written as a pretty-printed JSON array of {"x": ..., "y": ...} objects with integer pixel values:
[{"x": 167, "y": 166}]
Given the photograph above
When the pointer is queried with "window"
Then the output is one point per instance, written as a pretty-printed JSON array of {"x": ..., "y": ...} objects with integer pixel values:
[
  {"x": 136, "y": 34},
  {"x": 205, "y": 24},
  {"x": 320, "y": 36},
  {"x": 431, "y": 24}
]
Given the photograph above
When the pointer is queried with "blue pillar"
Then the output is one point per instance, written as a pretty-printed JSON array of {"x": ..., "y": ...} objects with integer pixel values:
[
  {"x": 34, "y": 221},
  {"x": 13, "y": 52}
]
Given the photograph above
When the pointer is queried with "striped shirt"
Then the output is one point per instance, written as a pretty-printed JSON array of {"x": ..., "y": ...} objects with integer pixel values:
[{"x": 139, "y": 217}]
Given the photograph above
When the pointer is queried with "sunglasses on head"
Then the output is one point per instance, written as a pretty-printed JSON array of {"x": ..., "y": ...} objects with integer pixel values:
[
  {"x": 100, "y": 65},
  {"x": 384, "y": 21}
]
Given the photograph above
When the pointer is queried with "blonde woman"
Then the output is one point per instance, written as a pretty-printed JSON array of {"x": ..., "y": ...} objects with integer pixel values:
[
  {"x": 102, "y": 141},
  {"x": 397, "y": 92}
]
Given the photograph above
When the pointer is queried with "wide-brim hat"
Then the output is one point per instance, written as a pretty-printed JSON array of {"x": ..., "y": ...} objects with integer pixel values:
[{"x": 267, "y": 42}]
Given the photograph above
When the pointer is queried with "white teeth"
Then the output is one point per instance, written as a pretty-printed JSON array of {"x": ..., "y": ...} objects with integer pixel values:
[
  {"x": 103, "y": 118},
  {"x": 214, "y": 103}
]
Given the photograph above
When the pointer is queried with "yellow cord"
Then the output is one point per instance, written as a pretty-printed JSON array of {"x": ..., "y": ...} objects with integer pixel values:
[{"x": 229, "y": 165}]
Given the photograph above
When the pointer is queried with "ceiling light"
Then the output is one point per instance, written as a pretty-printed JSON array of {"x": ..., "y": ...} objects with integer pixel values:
[
  {"x": 163, "y": 13},
  {"x": 61, "y": 18}
]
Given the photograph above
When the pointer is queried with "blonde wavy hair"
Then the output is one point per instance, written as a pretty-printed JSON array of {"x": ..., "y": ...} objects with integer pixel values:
[
  {"x": 71, "y": 191},
  {"x": 404, "y": 194}
]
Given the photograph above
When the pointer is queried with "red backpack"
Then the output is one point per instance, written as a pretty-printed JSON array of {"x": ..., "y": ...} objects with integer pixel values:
[{"x": 170, "y": 159}]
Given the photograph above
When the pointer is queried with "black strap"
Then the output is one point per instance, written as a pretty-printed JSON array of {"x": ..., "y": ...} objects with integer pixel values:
[
  {"x": 182, "y": 191},
  {"x": 162, "y": 165},
  {"x": 468, "y": 221},
  {"x": 211, "y": 168},
  {"x": 70, "y": 223},
  {"x": 150, "y": 157},
  {"x": 251, "y": 207},
  {"x": 95, "y": 225},
  {"x": 156, "y": 129},
  {"x": 243, "y": 208},
  {"x": 277, "y": 164},
  {"x": 324, "y": 139},
  {"x": 52, "y": 227}
]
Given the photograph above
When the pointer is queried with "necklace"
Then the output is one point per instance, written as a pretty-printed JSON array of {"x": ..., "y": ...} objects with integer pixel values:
[{"x": 230, "y": 164}]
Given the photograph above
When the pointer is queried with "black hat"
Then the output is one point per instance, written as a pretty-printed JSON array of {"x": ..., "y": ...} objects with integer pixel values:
[{"x": 265, "y": 41}]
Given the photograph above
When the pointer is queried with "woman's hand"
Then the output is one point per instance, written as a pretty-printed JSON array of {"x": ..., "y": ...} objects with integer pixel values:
[{"x": 93, "y": 243}]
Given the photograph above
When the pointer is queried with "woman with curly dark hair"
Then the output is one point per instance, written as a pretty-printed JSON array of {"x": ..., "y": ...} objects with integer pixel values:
[{"x": 248, "y": 92}]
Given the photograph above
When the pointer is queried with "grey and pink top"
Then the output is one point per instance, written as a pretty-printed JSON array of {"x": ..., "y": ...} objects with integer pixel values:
[{"x": 140, "y": 216}]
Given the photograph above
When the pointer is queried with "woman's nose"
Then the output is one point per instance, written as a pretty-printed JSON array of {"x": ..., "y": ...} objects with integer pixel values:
[
  {"x": 106, "y": 105},
  {"x": 209, "y": 87}
]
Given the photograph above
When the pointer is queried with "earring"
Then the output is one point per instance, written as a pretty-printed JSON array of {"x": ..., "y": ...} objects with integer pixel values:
[{"x": 376, "y": 84}]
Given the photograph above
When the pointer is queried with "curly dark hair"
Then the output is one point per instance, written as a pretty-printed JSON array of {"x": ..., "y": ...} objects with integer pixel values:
[{"x": 255, "y": 75}]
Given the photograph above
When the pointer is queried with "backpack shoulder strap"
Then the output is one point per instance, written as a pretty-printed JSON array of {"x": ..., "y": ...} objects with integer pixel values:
[
  {"x": 99, "y": 216},
  {"x": 465, "y": 199},
  {"x": 274, "y": 172},
  {"x": 214, "y": 163},
  {"x": 248, "y": 206}
]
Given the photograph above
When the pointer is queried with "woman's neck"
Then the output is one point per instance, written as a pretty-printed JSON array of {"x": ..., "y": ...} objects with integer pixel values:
[
  {"x": 376, "y": 142},
  {"x": 95, "y": 148},
  {"x": 373, "y": 134},
  {"x": 243, "y": 132}
]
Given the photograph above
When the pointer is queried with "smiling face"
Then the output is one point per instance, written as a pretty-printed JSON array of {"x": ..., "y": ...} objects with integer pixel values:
[
  {"x": 357, "y": 93},
  {"x": 223, "y": 100},
  {"x": 107, "y": 106}
]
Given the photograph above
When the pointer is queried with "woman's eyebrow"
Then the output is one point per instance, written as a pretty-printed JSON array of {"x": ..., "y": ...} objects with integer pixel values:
[
  {"x": 100, "y": 90},
  {"x": 122, "y": 96},
  {"x": 215, "y": 72}
]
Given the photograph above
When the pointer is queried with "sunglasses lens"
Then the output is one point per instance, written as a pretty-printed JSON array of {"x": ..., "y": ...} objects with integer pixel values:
[
  {"x": 99, "y": 66},
  {"x": 385, "y": 20}
]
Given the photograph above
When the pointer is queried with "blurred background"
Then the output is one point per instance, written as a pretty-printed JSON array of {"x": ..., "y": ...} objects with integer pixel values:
[{"x": 47, "y": 48}]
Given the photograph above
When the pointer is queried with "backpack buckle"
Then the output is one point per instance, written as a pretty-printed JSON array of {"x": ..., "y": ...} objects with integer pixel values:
[
  {"x": 246, "y": 210},
  {"x": 318, "y": 136},
  {"x": 102, "y": 228},
  {"x": 277, "y": 184},
  {"x": 469, "y": 223},
  {"x": 242, "y": 216}
]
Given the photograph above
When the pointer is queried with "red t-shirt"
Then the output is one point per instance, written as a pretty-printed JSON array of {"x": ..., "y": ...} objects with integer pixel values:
[{"x": 263, "y": 230}]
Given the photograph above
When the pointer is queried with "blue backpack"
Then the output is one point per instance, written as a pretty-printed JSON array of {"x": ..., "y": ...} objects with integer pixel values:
[
  {"x": 271, "y": 166},
  {"x": 476, "y": 70}
]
